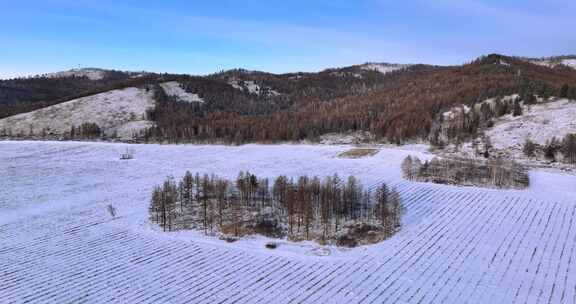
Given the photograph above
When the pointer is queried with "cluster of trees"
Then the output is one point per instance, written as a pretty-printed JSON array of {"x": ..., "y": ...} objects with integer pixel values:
[
  {"x": 305, "y": 208},
  {"x": 553, "y": 147},
  {"x": 87, "y": 130},
  {"x": 494, "y": 173}
]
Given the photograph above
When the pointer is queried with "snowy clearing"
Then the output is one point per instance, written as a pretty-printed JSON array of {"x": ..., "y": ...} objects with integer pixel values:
[
  {"x": 173, "y": 88},
  {"x": 552, "y": 63},
  {"x": 120, "y": 112},
  {"x": 457, "y": 244},
  {"x": 383, "y": 68},
  {"x": 252, "y": 88}
]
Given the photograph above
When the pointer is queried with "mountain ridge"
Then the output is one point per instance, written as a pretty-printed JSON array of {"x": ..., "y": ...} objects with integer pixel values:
[{"x": 395, "y": 102}]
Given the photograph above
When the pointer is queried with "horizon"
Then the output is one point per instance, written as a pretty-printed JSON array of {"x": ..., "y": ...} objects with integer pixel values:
[
  {"x": 199, "y": 39},
  {"x": 286, "y": 72}
]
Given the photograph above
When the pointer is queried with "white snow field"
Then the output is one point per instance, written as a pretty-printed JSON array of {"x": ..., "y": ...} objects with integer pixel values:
[{"x": 457, "y": 244}]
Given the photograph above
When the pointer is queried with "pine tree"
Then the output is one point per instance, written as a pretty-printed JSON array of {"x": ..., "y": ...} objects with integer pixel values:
[
  {"x": 517, "y": 108},
  {"x": 550, "y": 149},
  {"x": 569, "y": 148}
]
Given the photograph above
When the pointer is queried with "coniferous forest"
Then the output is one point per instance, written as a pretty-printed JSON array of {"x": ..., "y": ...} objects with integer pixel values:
[
  {"x": 329, "y": 210},
  {"x": 396, "y": 107}
]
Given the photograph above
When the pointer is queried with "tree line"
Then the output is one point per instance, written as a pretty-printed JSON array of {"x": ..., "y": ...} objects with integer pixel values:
[
  {"x": 471, "y": 172},
  {"x": 306, "y": 208}
]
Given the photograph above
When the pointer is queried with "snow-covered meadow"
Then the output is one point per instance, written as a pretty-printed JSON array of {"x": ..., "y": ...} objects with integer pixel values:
[{"x": 58, "y": 244}]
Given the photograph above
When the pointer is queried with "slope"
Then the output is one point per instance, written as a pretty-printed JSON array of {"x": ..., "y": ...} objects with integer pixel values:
[{"x": 119, "y": 113}]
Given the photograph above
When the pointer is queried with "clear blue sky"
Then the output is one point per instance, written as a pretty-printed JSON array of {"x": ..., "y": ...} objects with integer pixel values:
[{"x": 200, "y": 37}]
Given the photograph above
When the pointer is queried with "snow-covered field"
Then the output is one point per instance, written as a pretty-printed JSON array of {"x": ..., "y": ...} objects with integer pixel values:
[
  {"x": 120, "y": 112},
  {"x": 457, "y": 245}
]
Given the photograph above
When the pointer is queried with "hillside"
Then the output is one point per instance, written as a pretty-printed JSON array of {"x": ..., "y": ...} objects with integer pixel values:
[
  {"x": 392, "y": 102},
  {"x": 540, "y": 123},
  {"x": 118, "y": 113}
]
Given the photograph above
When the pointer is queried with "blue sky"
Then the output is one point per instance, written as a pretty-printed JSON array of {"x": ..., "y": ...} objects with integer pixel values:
[{"x": 200, "y": 37}]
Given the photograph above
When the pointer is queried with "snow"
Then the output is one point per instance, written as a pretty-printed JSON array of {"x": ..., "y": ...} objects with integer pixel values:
[
  {"x": 252, "y": 87},
  {"x": 91, "y": 73},
  {"x": 540, "y": 123},
  {"x": 552, "y": 63},
  {"x": 173, "y": 88},
  {"x": 457, "y": 244},
  {"x": 452, "y": 113},
  {"x": 569, "y": 62},
  {"x": 383, "y": 68},
  {"x": 117, "y": 111}
]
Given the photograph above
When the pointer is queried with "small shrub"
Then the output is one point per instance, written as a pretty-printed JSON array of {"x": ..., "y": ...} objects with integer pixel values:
[
  {"x": 128, "y": 154},
  {"x": 111, "y": 210},
  {"x": 346, "y": 241},
  {"x": 271, "y": 245},
  {"x": 529, "y": 148}
]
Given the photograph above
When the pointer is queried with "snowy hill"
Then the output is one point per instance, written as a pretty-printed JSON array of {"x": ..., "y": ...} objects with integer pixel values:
[
  {"x": 90, "y": 73},
  {"x": 539, "y": 123},
  {"x": 117, "y": 112},
  {"x": 553, "y": 118}
]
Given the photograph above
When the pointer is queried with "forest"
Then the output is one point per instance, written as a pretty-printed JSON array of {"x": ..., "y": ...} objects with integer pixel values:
[
  {"x": 397, "y": 107},
  {"x": 400, "y": 106},
  {"x": 496, "y": 173},
  {"x": 329, "y": 210}
]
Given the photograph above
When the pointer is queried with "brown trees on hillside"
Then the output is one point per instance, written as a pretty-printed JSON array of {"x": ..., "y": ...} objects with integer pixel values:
[{"x": 401, "y": 106}]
